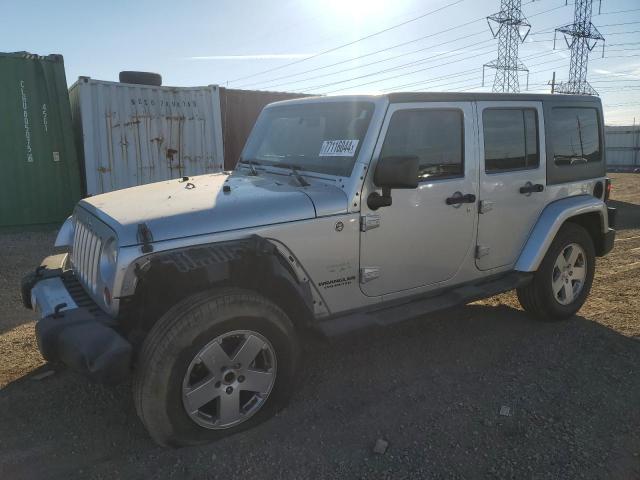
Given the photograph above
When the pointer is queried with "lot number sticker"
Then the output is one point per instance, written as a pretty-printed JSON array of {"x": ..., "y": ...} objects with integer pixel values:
[{"x": 338, "y": 148}]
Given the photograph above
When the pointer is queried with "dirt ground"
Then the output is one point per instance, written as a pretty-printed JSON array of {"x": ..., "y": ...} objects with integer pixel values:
[{"x": 433, "y": 388}]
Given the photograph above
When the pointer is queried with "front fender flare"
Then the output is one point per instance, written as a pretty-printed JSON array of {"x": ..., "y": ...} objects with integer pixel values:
[
  {"x": 261, "y": 259},
  {"x": 550, "y": 221}
]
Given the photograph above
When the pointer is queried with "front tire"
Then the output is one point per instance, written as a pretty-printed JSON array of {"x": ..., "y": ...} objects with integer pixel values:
[
  {"x": 216, "y": 363},
  {"x": 562, "y": 283}
]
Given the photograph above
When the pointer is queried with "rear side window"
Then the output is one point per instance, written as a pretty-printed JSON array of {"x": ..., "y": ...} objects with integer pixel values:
[
  {"x": 434, "y": 136},
  {"x": 510, "y": 139},
  {"x": 575, "y": 136}
]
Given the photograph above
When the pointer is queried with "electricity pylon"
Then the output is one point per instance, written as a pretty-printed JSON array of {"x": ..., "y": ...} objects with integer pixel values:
[
  {"x": 511, "y": 28},
  {"x": 581, "y": 37}
]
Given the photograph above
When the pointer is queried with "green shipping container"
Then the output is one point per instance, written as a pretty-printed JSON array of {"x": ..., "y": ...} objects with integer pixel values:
[{"x": 39, "y": 166}]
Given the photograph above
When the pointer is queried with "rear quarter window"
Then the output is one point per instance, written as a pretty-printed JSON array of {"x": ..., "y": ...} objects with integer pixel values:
[
  {"x": 575, "y": 144},
  {"x": 576, "y": 136}
]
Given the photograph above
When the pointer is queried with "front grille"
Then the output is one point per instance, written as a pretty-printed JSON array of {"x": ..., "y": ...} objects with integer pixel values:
[{"x": 85, "y": 255}]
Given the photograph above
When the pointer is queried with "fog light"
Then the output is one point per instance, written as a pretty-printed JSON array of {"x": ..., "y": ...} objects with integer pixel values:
[{"x": 107, "y": 296}]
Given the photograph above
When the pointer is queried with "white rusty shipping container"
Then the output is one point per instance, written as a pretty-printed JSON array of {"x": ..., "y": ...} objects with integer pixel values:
[
  {"x": 622, "y": 145},
  {"x": 136, "y": 134}
]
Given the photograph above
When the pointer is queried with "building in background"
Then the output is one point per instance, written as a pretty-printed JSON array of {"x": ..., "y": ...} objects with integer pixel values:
[{"x": 622, "y": 145}]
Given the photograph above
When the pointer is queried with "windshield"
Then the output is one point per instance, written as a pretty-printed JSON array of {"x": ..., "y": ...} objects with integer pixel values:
[{"x": 318, "y": 137}]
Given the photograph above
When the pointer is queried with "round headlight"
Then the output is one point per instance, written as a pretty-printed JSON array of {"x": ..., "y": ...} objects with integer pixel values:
[{"x": 108, "y": 260}]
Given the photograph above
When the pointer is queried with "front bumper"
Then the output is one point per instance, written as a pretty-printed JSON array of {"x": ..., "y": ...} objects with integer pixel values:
[{"x": 71, "y": 328}]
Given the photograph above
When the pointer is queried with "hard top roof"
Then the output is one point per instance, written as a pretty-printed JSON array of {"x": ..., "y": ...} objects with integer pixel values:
[
  {"x": 408, "y": 97},
  {"x": 404, "y": 97}
]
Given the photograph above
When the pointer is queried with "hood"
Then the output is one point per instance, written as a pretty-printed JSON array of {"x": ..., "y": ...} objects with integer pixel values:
[{"x": 197, "y": 206}]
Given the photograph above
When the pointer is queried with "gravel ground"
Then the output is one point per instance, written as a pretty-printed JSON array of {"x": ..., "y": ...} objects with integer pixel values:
[{"x": 432, "y": 388}]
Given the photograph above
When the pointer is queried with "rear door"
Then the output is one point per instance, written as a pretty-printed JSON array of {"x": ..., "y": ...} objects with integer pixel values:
[{"x": 512, "y": 179}]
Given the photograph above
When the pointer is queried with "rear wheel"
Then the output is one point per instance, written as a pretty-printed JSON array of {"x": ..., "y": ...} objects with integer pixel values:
[
  {"x": 563, "y": 281},
  {"x": 214, "y": 364}
]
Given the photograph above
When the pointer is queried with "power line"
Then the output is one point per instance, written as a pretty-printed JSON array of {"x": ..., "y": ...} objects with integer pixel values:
[
  {"x": 423, "y": 82},
  {"x": 400, "y": 67},
  {"x": 408, "y": 73},
  {"x": 458, "y": 74},
  {"x": 401, "y": 75},
  {"x": 604, "y": 33},
  {"x": 382, "y": 50},
  {"x": 619, "y": 11},
  {"x": 622, "y": 33},
  {"x": 423, "y": 69},
  {"x": 416, "y": 62},
  {"x": 384, "y": 60},
  {"x": 444, "y": 77},
  {"x": 380, "y": 32},
  {"x": 378, "y": 72},
  {"x": 352, "y": 59},
  {"x": 552, "y": 29}
]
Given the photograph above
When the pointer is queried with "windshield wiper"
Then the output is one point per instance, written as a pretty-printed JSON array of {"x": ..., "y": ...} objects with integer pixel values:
[
  {"x": 252, "y": 167},
  {"x": 294, "y": 172}
]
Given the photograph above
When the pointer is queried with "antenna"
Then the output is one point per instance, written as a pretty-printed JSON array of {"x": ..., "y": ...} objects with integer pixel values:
[{"x": 511, "y": 28}]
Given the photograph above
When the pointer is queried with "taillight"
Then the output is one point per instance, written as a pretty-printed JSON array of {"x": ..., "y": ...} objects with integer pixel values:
[{"x": 607, "y": 189}]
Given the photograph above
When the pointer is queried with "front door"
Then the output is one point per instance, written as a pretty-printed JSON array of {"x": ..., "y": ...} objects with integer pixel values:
[
  {"x": 423, "y": 238},
  {"x": 512, "y": 179}
]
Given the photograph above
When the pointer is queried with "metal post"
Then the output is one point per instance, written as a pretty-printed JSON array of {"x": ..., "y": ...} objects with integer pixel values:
[{"x": 636, "y": 134}]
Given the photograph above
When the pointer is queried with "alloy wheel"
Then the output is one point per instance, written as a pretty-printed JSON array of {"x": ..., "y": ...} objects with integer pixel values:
[
  {"x": 569, "y": 274},
  {"x": 229, "y": 379}
]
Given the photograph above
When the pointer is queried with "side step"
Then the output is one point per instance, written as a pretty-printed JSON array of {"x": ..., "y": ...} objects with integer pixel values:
[{"x": 389, "y": 315}]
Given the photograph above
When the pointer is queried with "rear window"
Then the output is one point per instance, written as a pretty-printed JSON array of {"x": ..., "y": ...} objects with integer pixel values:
[{"x": 575, "y": 133}]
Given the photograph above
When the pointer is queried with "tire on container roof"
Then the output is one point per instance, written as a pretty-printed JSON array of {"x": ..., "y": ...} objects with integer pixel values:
[{"x": 141, "y": 78}]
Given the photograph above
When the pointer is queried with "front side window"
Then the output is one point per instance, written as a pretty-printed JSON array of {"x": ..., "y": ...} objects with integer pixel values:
[
  {"x": 318, "y": 137},
  {"x": 575, "y": 136},
  {"x": 434, "y": 136},
  {"x": 510, "y": 139}
]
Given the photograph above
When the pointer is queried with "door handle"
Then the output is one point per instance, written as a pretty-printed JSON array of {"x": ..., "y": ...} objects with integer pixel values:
[
  {"x": 530, "y": 188},
  {"x": 458, "y": 198}
]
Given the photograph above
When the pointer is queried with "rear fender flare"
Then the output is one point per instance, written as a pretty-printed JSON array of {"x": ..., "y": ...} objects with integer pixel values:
[{"x": 551, "y": 219}]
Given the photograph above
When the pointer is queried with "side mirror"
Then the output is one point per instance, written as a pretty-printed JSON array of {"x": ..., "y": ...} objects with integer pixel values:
[{"x": 393, "y": 172}]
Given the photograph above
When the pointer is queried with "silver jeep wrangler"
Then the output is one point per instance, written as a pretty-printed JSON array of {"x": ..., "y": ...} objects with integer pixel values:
[{"x": 343, "y": 213}]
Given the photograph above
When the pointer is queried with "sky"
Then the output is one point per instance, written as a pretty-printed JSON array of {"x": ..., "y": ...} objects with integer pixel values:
[{"x": 325, "y": 47}]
